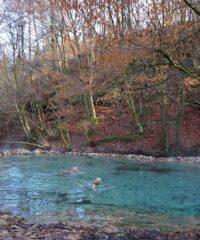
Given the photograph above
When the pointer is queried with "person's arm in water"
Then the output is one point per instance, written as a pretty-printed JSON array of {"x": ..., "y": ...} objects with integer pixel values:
[
  {"x": 94, "y": 187},
  {"x": 96, "y": 182},
  {"x": 74, "y": 170},
  {"x": 64, "y": 172}
]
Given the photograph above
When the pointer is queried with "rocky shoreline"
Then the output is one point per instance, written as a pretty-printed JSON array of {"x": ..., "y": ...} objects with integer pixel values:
[
  {"x": 15, "y": 228},
  {"x": 8, "y": 152}
]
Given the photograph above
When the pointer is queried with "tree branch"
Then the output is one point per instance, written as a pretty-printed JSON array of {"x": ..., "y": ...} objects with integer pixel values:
[
  {"x": 180, "y": 68},
  {"x": 197, "y": 11},
  {"x": 149, "y": 86}
]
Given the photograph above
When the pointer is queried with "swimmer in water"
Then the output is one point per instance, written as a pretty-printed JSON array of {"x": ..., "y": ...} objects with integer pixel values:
[
  {"x": 74, "y": 170},
  {"x": 96, "y": 183}
]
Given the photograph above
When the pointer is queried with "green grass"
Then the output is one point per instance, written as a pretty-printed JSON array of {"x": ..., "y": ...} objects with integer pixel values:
[{"x": 123, "y": 138}]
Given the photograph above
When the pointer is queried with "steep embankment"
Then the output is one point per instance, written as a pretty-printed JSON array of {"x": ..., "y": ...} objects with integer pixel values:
[{"x": 115, "y": 132}]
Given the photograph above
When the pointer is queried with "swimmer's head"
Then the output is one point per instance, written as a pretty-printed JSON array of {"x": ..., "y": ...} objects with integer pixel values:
[
  {"x": 75, "y": 168},
  {"x": 97, "y": 181}
]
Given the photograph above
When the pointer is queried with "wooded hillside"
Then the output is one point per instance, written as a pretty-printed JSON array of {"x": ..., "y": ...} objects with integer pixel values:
[{"x": 106, "y": 75}]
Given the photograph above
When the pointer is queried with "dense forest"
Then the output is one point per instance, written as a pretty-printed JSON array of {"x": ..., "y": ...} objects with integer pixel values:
[{"x": 101, "y": 75}]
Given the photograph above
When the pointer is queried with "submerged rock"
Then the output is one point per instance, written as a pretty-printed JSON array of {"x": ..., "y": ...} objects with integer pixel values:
[
  {"x": 144, "y": 167},
  {"x": 83, "y": 201},
  {"x": 3, "y": 222}
]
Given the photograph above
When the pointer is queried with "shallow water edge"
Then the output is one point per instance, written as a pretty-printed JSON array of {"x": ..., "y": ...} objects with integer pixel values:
[{"x": 7, "y": 152}]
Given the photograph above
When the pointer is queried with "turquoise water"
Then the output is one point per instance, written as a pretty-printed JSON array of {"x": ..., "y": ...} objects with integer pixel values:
[{"x": 132, "y": 192}]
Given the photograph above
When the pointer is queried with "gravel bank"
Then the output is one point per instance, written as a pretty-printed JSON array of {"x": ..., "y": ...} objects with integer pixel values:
[
  {"x": 23, "y": 151},
  {"x": 15, "y": 228}
]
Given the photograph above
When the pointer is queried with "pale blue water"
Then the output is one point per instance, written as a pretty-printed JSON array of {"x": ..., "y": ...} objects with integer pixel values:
[{"x": 132, "y": 192}]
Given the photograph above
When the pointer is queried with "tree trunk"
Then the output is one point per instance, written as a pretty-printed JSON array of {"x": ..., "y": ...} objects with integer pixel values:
[
  {"x": 179, "y": 116},
  {"x": 164, "y": 120},
  {"x": 133, "y": 111}
]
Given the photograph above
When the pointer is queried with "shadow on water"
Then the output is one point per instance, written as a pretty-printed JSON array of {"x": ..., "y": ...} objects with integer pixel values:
[
  {"x": 89, "y": 164},
  {"x": 90, "y": 202},
  {"x": 148, "y": 168},
  {"x": 59, "y": 198},
  {"x": 56, "y": 196}
]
